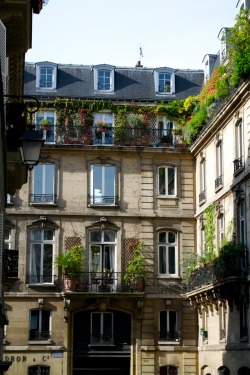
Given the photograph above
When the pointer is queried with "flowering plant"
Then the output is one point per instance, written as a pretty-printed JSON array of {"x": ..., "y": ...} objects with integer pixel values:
[{"x": 102, "y": 125}]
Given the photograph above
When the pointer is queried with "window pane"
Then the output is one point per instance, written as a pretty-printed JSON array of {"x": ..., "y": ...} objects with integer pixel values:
[
  {"x": 107, "y": 324},
  {"x": 109, "y": 236},
  {"x": 34, "y": 320},
  {"x": 163, "y": 324},
  {"x": 95, "y": 258},
  {"x": 97, "y": 180},
  {"x": 162, "y": 259},
  {"x": 109, "y": 188},
  {"x": 48, "y": 234},
  {"x": 162, "y": 179},
  {"x": 162, "y": 237},
  {"x": 171, "y": 181},
  {"x": 45, "y": 320},
  {"x": 95, "y": 236},
  {"x": 171, "y": 260},
  {"x": 171, "y": 237},
  {"x": 47, "y": 263},
  {"x": 172, "y": 321}
]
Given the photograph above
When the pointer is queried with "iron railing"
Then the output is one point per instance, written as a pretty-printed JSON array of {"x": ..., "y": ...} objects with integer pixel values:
[
  {"x": 218, "y": 182},
  {"x": 238, "y": 164},
  {"x": 41, "y": 279},
  {"x": 202, "y": 197},
  {"x": 10, "y": 264},
  {"x": 97, "y": 282},
  {"x": 103, "y": 200},
  {"x": 39, "y": 335},
  {"x": 101, "y": 339},
  {"x": 218, "y": 271},
  {"x": 169, "y": 336},
  {"x": 114, "y": 136},
  {"x": 42, "y": 198}
]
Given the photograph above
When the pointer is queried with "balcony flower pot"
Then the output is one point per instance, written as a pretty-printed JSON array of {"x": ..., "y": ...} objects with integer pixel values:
[
  {"x": 45, "y": 124},
  {"x": 71, "y": 261},
  {"x": 135, "y": 271}
]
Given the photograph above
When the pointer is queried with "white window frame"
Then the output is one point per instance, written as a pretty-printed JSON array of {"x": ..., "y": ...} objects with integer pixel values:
[
  {"x": 101, "y": 245},
  {"x": 168, "y": 312},
  {"x": 219, "y": 160},
  {"x": 157, "y": 73},
  {"x": 7, "y": 238},
  {"x": 239, "y": 144},
  {"x": 44, "y": 197},
  {"x": 39, "y": 278},
  {"x": 40, "y": 322},
  {"x": 165, "y": 247},
  {"x": 160, "y": 191},
  {"x": 223, "y": 321},
  {"x": 46, "y": 65},
  {"x": 242, "y": 221},
  {"x": 111, "y": 70},
  {"x": 98, "y": 198}
]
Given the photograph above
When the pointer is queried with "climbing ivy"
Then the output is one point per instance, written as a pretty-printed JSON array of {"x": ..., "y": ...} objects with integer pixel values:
[{"x": 210, "y": 229}]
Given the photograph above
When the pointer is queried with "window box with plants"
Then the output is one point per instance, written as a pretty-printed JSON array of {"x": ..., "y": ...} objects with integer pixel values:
[
  {"x": 135, "y": 272},
  {"x": 45, "y": 124},
  {"x": 167, "y": 140},
  {"x": 71, "y": 261}
]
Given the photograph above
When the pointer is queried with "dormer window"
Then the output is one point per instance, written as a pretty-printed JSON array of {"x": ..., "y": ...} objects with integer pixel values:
[
  {"x": 164, "y": 81},
  {"x": 223, "y": 37},
  {"x": 46, "y": 75},
  {"x": 209, "y": 62},
  {"x": 104, "y": 78}
]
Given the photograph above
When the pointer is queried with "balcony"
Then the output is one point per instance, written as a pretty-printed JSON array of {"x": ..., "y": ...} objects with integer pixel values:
[
  {"x": 36, "y": 335},
  {"x": 96, "y": 282},
  {"x": 114, "y": 136},
  {"x": 238, "y": 165},
  {"x": 202, "y": 197},
  {"x": 224, "y": 278},
  {"x": 218, "y": 183},
  {"x": 43, "y": 198}
]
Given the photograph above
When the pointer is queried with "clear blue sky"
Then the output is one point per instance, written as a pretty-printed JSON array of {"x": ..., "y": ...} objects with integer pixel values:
[{"x": 172, "y": 33}]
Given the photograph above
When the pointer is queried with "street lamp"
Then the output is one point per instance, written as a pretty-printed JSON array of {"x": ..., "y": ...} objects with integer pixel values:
[{"x": 30, "y": 147}]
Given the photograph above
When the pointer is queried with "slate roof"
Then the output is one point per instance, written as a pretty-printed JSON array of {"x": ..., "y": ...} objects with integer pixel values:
[{"x": 77, "y": 81}]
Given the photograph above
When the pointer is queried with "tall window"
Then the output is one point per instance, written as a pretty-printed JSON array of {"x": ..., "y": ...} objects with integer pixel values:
[
  {"x": 103, "y": 134},
  {"x": 219, "y": 172},
  {"x": 102, "y": 250},
  {"x": 49, "y": 134},
  {"x": 101, "y": 328},
  {"x": 165, "y": 82},
  {"x": 38, "y": 370},
  {"x": 103, "y": 185},
  {"x": 41, "y": 256},
  {"x": 167, "y": 181},
  {"x": 169, "y": 325},
  {"x": 165, "y": 127},
  {"x": 243, "y": 320},
  {"x": 43, "y": 184},
  {"x": 241, "y": 221},
  {"x": 239, "y": 161},
  {"x": 168, "y": 257},
  {"x": 221, "y": 228},
  {"x": 202, "y": 195},
  {"x": 223, "y": 321},
  {"x": 7, "y": 238},
  {"x": 39, "y": 324}
]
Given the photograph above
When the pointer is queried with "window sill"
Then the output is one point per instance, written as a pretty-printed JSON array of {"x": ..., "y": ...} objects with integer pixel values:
[
  {"x": 103, "y": 205},
  {"x": 43, "y": 204},
  {"x": 238, "y": 171},
  {"x": 167, "y": 197},
  {"x": 169, "y": 342},
  {"x": 40, "y": 285},
  {"x": 202, "y": 202},
  {"x": 218, "y": 188},
  {"x": 168, "y": 277},
  {"x": 39, "y": 342}
]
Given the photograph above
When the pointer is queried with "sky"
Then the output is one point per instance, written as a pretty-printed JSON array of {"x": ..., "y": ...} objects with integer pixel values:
[{"x": 171, "y": 33}]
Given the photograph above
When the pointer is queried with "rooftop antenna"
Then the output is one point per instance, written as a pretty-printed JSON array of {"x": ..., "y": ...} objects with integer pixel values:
[{"x": 139, "y": 65}]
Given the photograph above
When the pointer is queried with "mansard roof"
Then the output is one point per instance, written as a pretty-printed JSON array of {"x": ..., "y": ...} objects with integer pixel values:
[{"x": 77, "y": 81}]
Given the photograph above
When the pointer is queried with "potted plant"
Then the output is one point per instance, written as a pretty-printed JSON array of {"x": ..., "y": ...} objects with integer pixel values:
[
  {"x": 71, "y": 261},
  {"x": 135, "y": 122},
  {"x": 45, "y": 124},
  {"x": 167, "y": 140},
  {"x": 102, "y": 126},
  {"x": 135, "y": 271}
]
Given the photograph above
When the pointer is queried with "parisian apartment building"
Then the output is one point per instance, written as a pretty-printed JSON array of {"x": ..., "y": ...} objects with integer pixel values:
[{"x": 118, "y": 188}]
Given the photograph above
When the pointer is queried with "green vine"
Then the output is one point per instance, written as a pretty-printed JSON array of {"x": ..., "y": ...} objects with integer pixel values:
[{"x": 210, "y": 232}]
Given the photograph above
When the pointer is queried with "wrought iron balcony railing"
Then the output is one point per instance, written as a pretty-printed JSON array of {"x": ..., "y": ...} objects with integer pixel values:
[
  {"x": 10, "y": 264},
  {"x": 42, "y": 198},
  {"x": 169, "y": 336},
  {"x": 37, "y": 335},
  {"x": 104, "y": 200},
  {"x": 97, "y": 282},
  {"x": 202, "y": 197},
  {"x": 101, "y": 339},
  {"x": 41, "y": 279},
  {"x": 238, "y": 164},
  {"x": 218, "y": 182},
  {"x": 218, "y": 271},
  {"x": 113, "y": 136}
]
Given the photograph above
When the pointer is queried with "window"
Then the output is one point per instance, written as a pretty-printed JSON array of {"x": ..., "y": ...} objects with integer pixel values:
[
  {"x": 43, "y": 184},
  {"x": 223, "y": 320},
  {"x": 239, "y": 161},
  {"x": 103, "y": 135},
  {"x": 7, "y": 239},
  {"x": 167, "y": 181},
  {"x": 102, "y": 250},
  {"x": 169, "y": 325},
  {"x": 223, "y": 37},
  {"x": 219, "y": 179},
  {"x": 104, "y": 78},
  {"x": 202, "y": 195},
  {"x": 49, "y": 134},
  {"x": 103, "y": 185},
  {"x": 241, "y": 221},
  {"x": 41, "y": 256},
  {"x": 101, "y": 328},
  {"x": 38, "y": 370},
  {"x": 221, "y": 228},
  {"x": 39, "y": 325},
  {"x": 164, "y": 81},
  {"x": 168, "y": 257},
  {"x": 46, "y": 75},
  {"x": 165, "y": 127},
  {"x": 168, "y": 370}
]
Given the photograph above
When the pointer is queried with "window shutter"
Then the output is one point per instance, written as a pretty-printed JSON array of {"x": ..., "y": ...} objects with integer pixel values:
[{"x": 3, "y": 54}]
